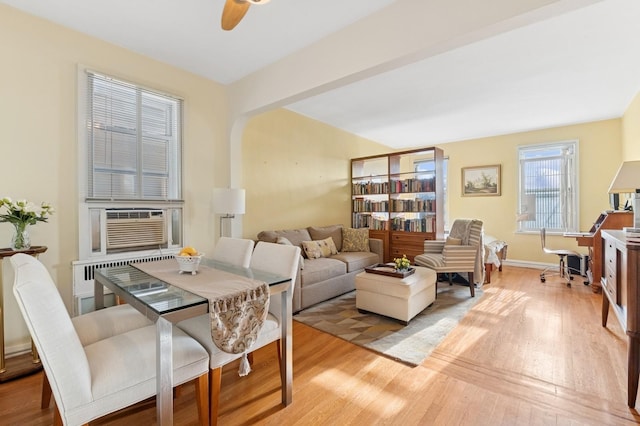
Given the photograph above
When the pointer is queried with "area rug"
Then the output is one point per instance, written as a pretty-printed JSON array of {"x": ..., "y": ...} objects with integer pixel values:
[{"x": 409, "y": 344}]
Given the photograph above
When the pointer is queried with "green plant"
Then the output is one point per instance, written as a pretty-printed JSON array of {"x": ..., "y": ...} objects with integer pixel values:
[{"x": 20, "y": 214}]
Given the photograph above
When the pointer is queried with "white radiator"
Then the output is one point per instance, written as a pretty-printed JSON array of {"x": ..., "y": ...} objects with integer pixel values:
[{"x": 83, "y": 273}]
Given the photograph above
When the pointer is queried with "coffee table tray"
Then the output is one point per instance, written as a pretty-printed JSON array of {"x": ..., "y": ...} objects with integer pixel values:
[{"x": 389, "y": 269}]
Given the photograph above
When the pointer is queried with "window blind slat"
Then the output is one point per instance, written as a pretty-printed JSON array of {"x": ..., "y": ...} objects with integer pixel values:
[{"x": 134, "y": 141}]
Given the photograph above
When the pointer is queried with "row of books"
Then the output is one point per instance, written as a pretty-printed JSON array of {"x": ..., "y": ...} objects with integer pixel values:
[
  {"x": 367, "y": 221},
  {"x": 397, "y": 206},
  {"x": 412, "y": 185},
  {"x": 416, "y": 205},
  {"x": 364, "y": 205},
  {"x": 413, "y": 225},
  {"x": 396, "y": 186},
  {"x": 365, "y": 188}
]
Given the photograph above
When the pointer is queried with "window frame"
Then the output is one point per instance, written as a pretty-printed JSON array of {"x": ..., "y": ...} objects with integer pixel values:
[
  {"x": 570, "y": 176},
  {"x": 87, "y": 206}
]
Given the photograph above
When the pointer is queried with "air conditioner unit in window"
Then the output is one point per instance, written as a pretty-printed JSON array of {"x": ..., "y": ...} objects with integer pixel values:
[{"x": 127, "y": 229}]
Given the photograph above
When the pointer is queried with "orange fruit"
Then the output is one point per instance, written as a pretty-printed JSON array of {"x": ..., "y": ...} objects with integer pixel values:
[{"x": 188, "y": 251}]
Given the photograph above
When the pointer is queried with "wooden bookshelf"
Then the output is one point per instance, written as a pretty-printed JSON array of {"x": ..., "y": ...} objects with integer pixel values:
[{"x": 399, "y": 198}]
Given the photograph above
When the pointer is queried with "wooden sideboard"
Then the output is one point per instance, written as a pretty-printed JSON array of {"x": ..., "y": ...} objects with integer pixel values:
[{"x": 620, "y": 282}]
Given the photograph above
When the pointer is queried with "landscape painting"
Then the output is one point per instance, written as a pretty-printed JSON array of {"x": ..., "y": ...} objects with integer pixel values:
[{"x": 481, "y": 181}]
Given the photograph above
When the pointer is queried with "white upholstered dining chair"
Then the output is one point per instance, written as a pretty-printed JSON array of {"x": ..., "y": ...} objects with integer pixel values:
[
  {"x": 278, "y": 259},
  {"x": 99, "y": 325},
  {"x": 91, "y": 381},
  {"x": 236, "y": 251}
]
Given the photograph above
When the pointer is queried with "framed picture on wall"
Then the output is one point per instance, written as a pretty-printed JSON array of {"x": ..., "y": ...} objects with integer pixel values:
[{"x": 481, "y": 181}]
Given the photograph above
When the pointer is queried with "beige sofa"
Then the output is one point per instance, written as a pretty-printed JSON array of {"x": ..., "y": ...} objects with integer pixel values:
[{"x": 323, "y": 278}]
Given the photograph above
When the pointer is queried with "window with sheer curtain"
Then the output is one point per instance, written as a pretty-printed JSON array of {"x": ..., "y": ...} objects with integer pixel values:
[
  {"x": 548, "y": 190},
  {"x": 134, "y": 141}
]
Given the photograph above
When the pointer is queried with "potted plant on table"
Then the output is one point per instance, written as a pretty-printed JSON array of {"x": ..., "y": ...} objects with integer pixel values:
[
  {"x": 21, "y": 214},
  {"x": 402, "y": 263}
]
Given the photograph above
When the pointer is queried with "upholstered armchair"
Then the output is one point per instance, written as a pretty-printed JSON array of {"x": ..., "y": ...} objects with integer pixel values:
[{"x": 462, "y": 251}]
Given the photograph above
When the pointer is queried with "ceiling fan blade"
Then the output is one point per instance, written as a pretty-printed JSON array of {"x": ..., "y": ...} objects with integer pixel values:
[{"x": 233, "y": 13}]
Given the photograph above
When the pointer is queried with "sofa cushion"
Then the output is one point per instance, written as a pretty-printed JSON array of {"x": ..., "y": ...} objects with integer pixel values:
[
  {"x": 322, "y": 232},
  {"x": 355, "y": 239},
  {"x": 295, "y": 236},
  {"x": 357, "y": 259},
  {"x": 324, "y": 268},
  {"x": 286, "y": 242}
]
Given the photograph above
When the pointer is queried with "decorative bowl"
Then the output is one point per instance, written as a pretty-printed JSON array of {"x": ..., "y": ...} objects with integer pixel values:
[{"x": 189, "y": 264}]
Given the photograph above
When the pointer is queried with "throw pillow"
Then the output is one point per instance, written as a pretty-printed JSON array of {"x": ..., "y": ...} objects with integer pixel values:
[
  {"x": 453, "y": 241},
  {"x": 355, "y": 239},
  {"x": 322, "y": 232},
  {"x": 320, "y": 248},
  {"x": 332, "y": 246},
  {"x": 313, "y": 250},
  {"x": 286, "y": 242}
]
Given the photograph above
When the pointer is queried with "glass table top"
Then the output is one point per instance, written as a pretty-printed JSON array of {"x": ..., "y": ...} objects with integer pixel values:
[{"x": 163, "y": 297}]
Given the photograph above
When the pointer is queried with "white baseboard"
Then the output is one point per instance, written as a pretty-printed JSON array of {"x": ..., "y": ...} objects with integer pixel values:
[
  {"x": 529, "y": 264},
  {"x": 15, "y": 350}
]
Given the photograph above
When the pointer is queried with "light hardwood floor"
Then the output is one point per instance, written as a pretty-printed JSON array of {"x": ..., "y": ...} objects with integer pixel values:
[{"x": 529, "y": 353}]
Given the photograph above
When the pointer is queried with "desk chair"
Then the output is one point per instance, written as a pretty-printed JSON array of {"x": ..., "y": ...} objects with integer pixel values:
[{"x": 563, "y": 270}]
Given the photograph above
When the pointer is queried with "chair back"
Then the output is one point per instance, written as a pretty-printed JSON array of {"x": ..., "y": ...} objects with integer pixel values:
[
  {"x": 236, "y": 251},
  {"x": 62, "y": 355},
  {"x": 279, "y": 259},
  {"x": 543, "y": 240},
  {"x": 471, "y": 232}
]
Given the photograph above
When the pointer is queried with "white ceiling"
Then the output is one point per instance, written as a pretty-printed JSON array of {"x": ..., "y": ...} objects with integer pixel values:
[{"x": 578, "y": 66}]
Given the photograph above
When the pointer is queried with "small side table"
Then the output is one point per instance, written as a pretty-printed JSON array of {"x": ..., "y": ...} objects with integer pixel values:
[{"x": 18, "y": 368}]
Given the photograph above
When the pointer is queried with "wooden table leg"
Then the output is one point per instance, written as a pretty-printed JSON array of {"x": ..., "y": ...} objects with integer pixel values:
[
  {"x": 634, "y": 370},
  {"x": 488, "y": 267},
  {"x": 605, "y": 310}
]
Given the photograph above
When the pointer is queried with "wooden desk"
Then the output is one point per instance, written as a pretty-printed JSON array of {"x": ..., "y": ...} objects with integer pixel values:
[
  {"x": 593, "y": 240},
  {"x": 621, "y": 285},
  {"x": 20, "y": 368}
]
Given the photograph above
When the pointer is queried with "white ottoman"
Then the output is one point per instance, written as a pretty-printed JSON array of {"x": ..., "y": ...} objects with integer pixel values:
[{"x": 399, "y": 298}]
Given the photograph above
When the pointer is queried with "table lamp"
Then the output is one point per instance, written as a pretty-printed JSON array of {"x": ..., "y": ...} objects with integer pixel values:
[
  {"x": 228, "y": 202},
  {"x": 627, "y": 181}
]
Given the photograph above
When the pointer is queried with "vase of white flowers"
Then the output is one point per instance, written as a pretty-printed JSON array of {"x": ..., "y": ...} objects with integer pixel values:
[{"x": 21, "y": 214}]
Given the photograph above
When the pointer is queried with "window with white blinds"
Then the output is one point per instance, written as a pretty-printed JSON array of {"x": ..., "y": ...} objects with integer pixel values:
[
  {"x": 548, "y": 196},
  {"x": 134, "y": 141}
]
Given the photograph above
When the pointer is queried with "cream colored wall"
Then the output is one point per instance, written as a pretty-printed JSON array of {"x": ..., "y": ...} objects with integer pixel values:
[
  {"x": 296, "y": 172},
  {"x": 600, "y": 152},
  {"x": 631, "y": 131},
  {"x": 38, "y": 138}
]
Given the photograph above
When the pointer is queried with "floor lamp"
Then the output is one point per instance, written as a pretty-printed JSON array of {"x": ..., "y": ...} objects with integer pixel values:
[
  {"x": 228, "y": 202},
  {"x": 627, "y": 181}
]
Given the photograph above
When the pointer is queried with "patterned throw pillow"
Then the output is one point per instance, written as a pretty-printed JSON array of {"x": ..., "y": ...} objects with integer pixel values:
[
  {"x": 355, "y": 239},
  {"x": 320, "y": 248},
  {"x": 332, "y": 246}
]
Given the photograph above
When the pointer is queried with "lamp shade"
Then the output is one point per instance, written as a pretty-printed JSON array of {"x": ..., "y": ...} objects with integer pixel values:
[
  {"x": 627, "y": 179},
  {"x": 228, "y": 201}
]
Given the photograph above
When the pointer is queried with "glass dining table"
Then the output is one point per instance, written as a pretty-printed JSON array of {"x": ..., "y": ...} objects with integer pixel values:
[{"x": 167, "y": 304}]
